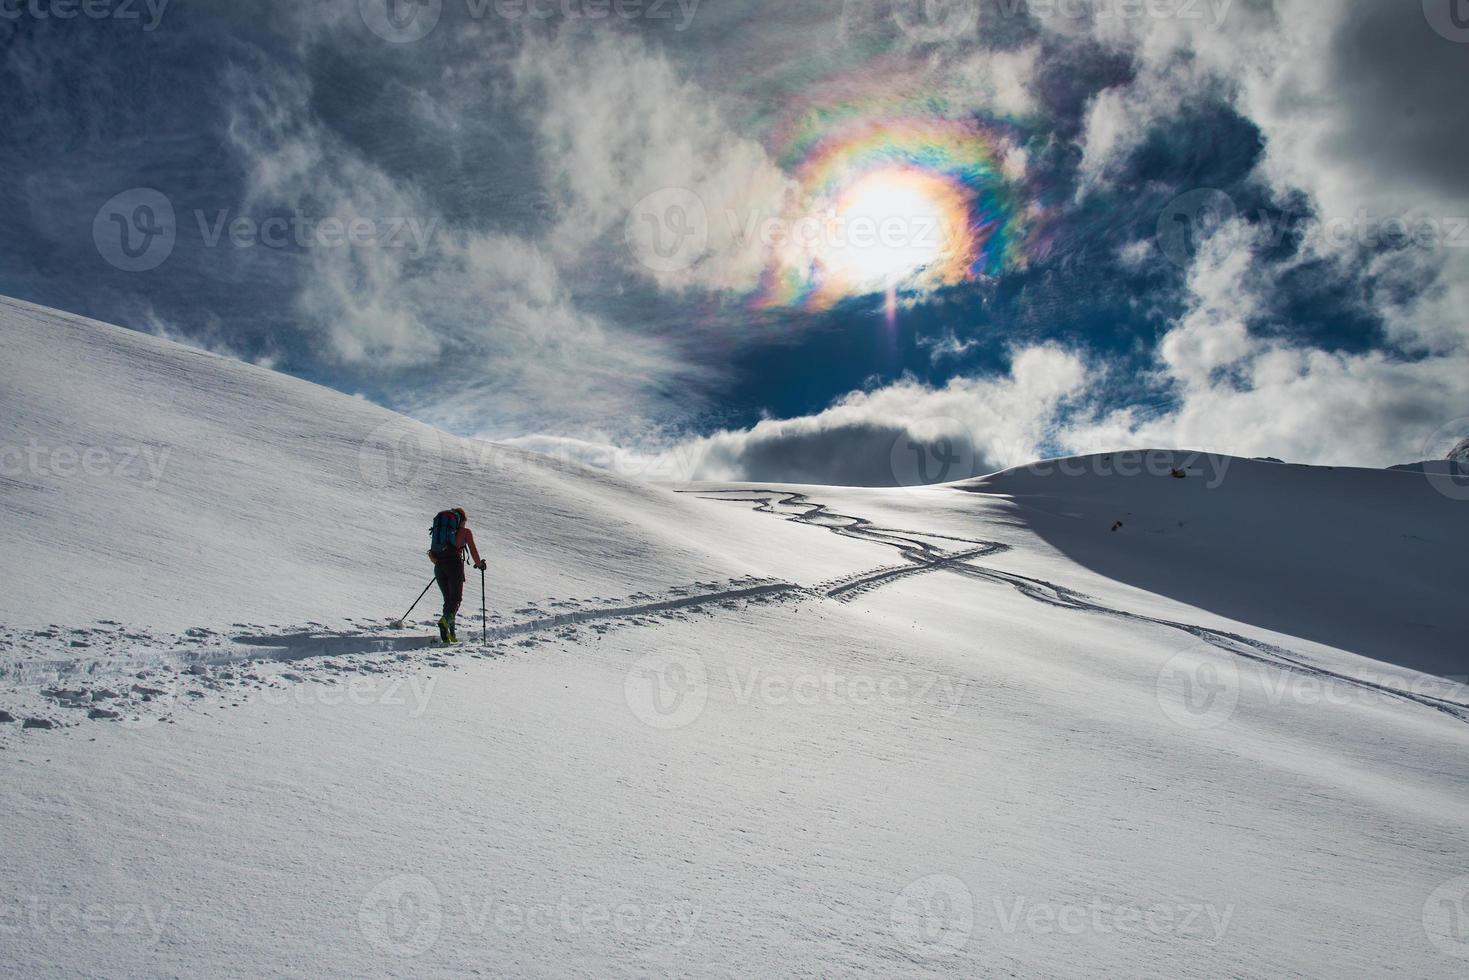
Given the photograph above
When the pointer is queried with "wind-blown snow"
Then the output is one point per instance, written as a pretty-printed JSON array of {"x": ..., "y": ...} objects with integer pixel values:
[{"x": 1088, "y": 719}]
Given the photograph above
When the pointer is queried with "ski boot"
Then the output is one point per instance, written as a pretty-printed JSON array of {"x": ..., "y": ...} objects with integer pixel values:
[{"x": 444, "y": 630}]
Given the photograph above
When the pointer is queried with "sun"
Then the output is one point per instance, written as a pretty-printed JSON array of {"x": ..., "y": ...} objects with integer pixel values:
[
  {"x": 894, "y": 227},
  {"x": 890, "y": 226}
]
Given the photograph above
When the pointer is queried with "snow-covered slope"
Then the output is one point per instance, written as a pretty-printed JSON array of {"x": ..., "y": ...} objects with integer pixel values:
[
  {"x": 741, "y": 731},
  {"x": 1365, "y": 560},
  {"x": 150, "y": 482}
]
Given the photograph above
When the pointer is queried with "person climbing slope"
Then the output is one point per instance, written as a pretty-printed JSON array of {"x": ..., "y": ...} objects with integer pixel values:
[{"x": 448, "y": 540}]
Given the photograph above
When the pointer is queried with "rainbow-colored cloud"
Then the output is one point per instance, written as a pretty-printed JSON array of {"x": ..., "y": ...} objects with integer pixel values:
[{"x": 890, "y": 203}]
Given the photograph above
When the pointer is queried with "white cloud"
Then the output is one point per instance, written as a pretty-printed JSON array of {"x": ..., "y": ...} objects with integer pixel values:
[
  {"x": 994, "y": 82},
  {"x": 878, "y": 437},
  {"x": 486, "y": 320},
  {"x": 631, "y": 126},
  {"x": 1247, "y": 395},
  {"x": 364, "y": 301},
  {"x": 1348, "y": 96}
]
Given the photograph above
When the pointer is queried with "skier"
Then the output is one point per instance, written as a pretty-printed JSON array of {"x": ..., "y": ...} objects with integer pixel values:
[{"x": 449, "y": 538}]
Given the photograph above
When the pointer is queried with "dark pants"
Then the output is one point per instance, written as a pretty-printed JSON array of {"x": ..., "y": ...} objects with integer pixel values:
[{"x": 449, "y": 573}]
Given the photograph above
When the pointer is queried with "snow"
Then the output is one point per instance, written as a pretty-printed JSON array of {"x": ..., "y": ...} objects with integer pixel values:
[{"x": 966, "y": 730}]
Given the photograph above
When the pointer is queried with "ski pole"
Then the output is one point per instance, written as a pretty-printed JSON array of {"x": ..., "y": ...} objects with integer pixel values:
[
  {"x": 398, "y": 623},
  {"x": 484, "y": 624}
]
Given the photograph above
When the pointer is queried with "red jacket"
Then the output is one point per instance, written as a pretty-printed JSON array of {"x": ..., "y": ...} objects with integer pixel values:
[{"x": 464, "y": 539}]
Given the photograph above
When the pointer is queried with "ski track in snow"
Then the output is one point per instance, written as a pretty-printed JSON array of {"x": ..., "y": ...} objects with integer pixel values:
[
  {"x": 237, "y": 662},
  {"x": 924, "y": 557}
]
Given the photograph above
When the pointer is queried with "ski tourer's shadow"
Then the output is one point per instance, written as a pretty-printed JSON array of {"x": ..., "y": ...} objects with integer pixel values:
[{"x": 304, "y": 646}]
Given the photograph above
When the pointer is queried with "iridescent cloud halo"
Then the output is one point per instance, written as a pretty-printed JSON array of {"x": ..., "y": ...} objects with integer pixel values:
[{"x": 887, "y": 205}]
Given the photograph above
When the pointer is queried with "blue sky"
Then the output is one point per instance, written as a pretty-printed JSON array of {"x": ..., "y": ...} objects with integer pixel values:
[{"x": 1237, "y": 225}]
